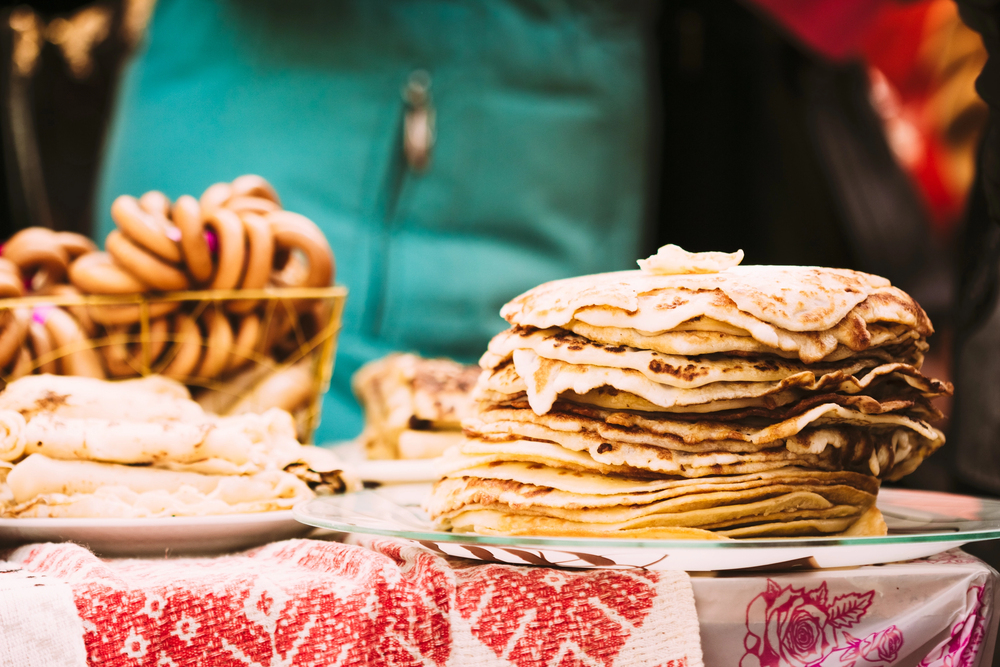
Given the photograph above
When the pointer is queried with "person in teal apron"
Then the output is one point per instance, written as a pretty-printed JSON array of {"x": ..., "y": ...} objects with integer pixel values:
[{"x": 537, "y": 171}]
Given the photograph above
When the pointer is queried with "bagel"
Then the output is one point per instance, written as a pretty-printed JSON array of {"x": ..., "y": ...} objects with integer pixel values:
[
  {"x": 42, "y": 347},
  {"x": 248, "y": 204},
  {"x": 155, "y": 203},
  {"x": 251, "y": 185},
  {"x": 11, "y": 281},
  {"x": 13, "y": 333},
  {"x": 23, "y": 366},
  {"x": 232, "y": 251},
  {"x": 116, "y": 354},
  {"x": 186, "y": 350},
  {"x": 245, "y": 343},
  {"x": 130, "y": 313},
  {"x": 97, "y": 273},
  {"x": 149, "y": 232},
  {"x": 75, "y": 244},
  {"x": 197, "y": 255},
  {"x": 157, "y": 338},
  {"x": 144, "y": 265},
  {"x": 260, "y": 256},
  {"x": 79, "y": 312},
  {"x": 77, "y": 355},
  {"x": 218, "y": 345},
  {"x": 296, "y": 232},
  {"x": 38, "y": 255},
  {"x": 214, "y": 197}
]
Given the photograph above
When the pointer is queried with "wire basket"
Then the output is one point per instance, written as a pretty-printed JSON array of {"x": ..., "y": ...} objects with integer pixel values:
[{"x": 236, "y": 350}]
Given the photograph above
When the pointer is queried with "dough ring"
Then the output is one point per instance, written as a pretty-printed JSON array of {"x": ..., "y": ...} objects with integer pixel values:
[
  {"x": 214, "y": 197},
  {"x": 260, "y": 256},
  {"x": 218, "y": 345},
  {"x": 150, "y": 232},
  {"x": 232, "y": 251},
  {"x": 251, "y": 185},
  {"x": 38, "y": 255},
  {"x": 115, "y": 353},
  {"x": 187, "y": 349},
  {"x": 257, "y": 205},
  {"x": 97, "y": 273},
  {"x": 159, "y": 336},
  {"x": 11, "y": 282},
  {"x": 144, "y": 265},
  {"x": 75, "y": 244},
  {"x": 23, "y": 366},
  {"x": 197, "y": 255},
  {"x": 78, "y": 357},
  {"x": 42, "y": 347},
  {"x": 15, "y": 328},
  {"x": 155, "y": 203},
  {"x": 294, "y": 232},
  {"x": 245, "y": 345}
]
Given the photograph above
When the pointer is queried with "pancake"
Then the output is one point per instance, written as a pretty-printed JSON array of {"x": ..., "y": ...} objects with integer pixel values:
[{"x": 720, "y": 404}]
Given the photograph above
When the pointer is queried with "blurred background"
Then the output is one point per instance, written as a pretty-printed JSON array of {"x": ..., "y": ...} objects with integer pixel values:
[{"x": 829, "y": 133}]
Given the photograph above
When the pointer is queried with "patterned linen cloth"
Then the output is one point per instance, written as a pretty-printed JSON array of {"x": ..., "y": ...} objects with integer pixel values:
[{"x": 312, "y": 602}]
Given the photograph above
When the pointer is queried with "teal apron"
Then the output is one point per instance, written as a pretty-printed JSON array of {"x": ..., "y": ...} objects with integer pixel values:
[{"x": 537, "y": 171}]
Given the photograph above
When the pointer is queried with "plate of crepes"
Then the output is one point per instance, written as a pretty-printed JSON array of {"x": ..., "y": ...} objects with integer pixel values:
[
  {"x": 695, "y": 414},
  {"x": 135, "y": 467}
]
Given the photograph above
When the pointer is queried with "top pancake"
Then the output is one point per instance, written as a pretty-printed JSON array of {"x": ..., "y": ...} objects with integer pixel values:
[{"x": 764, "y": 301}]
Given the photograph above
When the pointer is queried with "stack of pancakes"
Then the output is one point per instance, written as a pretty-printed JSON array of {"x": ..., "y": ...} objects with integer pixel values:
[{"x": 749, "y": 402}]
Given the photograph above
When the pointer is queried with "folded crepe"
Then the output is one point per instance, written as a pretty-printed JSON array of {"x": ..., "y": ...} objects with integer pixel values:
[
  {"x": 86, "y": 447},
  {"x": 745, "y": 402},
  {"x": 413, "y": 406}
]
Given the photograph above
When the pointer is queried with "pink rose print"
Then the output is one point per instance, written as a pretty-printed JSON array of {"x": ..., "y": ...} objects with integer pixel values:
[
  {"x": 795, "y": 627},
  {"x": 962, "y": 647},
  {"x": 890, "y": 643}
]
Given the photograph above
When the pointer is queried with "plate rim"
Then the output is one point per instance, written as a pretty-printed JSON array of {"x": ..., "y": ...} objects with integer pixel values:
[{"x": 554, "y": 542}]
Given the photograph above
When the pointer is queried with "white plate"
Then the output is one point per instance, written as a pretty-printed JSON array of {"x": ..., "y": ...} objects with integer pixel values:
[
  {"x": 921, "y": 523},
  {"x": 167, "y": 536}
]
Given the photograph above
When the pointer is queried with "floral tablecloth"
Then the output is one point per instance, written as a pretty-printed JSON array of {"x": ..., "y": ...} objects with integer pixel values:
[{"x": 314, "y": 602}]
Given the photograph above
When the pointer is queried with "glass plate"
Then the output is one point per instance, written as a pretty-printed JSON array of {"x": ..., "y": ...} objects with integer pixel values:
[
  {"x": 167, "y": 536},
  {"x": 921, "y": 523}
]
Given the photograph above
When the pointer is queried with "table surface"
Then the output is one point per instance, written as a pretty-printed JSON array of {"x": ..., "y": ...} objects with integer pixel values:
[{"x": 305, "y": 602}]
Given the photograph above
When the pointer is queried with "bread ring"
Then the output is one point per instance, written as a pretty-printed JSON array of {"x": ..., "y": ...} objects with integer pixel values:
[
  {"x": 245, "y": 344},
  {"x": 251, "y": 185},
  {"x": 75, "y": 244},
  {"x": 218, "y": 345},
  {"x": 260, "y": 256},
  {"x": 150, "y": 232},
  {"x": 115, "y": 353},
  {"x": 197, "y": 255},
  {"x": 22, "y": 367},
  {"x": 42, "y": 346},
  {"x": 297, "y": 232},
  {"x": 214, "y": 197},
  {"x": 77, "y": 356},
  {"x": 232, "y": 252},
  {"x": 97, "y": 273},
  {"x": 144, "y": 265},
  {"x": 11, "y": 282},
  {"x": 130, "y": 313},
  {"x": 15, "y": 328},
  {"x": 159, "y": 336},
  {"x": 155, "y": 203},
  {"x": 257, "y": 205},
  {"x": 36, "y": 252},
  {"x": 187, "y": 343},
  {"x": 79, "y": 312}
]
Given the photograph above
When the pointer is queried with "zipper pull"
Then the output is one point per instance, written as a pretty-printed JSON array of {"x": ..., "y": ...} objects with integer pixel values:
[{"x": 418, "y": 124}]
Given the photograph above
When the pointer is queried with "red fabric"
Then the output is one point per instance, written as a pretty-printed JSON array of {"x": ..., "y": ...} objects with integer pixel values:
[
  {"x": 832, "y": 28},
  {"x": 310, "y": 602}
]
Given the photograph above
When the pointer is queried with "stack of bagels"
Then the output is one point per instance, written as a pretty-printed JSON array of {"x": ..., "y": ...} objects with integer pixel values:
[{"x": 236, "y": 236}]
